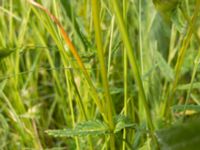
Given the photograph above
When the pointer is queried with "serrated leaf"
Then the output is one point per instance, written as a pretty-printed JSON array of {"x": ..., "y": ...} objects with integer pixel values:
[
  {"x": 164, "y": 67},
  {"x": 122, "y": 122},
  {"x": 185, "y": 136},
  {"x": 82, "y": 129},
  {"x": 5, "y": 53}
]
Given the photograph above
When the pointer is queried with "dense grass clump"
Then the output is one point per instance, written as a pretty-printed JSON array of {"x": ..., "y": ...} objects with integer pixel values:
[{"x": 99, "y": 74}]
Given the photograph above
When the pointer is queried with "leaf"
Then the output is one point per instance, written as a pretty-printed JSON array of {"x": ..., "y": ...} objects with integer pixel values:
[
  {"x": 2, "y": 85},
  {"x": 195, "y": 85},
  {"x": 5, "y": 53},
  {"x": 122, "y": 122},
  {"x": 164, "y": 67},
  {"x": 67, "y": 5},
  {"x": 166, "y": 7},
  {"x": 82, "y": 129},
  {"x": 179, "y": 20},
  {"x": 146, "y": 145},
  {"x": 185, "y": 136},
  {"x": 180, "y": 108},
  {"x": 116, "y": 90},
  {"x": 113, "y": 90},
  {"x": 140, "y": 133}
]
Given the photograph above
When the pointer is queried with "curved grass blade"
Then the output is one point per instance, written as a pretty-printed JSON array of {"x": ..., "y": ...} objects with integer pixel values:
[
  {"x": 133, "y": 61},
  {"x": 75, "y": 54}
]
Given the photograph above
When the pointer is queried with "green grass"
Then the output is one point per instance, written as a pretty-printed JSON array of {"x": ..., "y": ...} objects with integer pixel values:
[{"x": 106, "y": 74}]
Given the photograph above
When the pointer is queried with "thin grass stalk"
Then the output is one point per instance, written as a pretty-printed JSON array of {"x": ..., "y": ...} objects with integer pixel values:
[
  {"x": 67, "y": 73},
  {"x": 108, "y": 109},
  {"x": 58, "y": 87},
  {"x": 80, "y": 101},
  {"x": 69, "y": 88},
  {"x": 18, "y": 105},
  {"x": 135, "y": 68},
  {"x": 24, "y": 127},
  {"x": 72, "y": 110},
  {"x": 76, "y": 55},
  {"x": 11, "y": 31},
  {"x": 185, "y": 45},
  {"x": 125, "y": 74},
  {"x": 133, "y": 62},
  {"x": 81, "y": 104},
  {"x": 180, "y": 60},
  {"x": 110, "y": 45},
  {"x": 140, "y": 37},
  {"x": 55, "y": 75},
  {"x": 196, "y": 63},
  {"x": 169, "y": 59}
]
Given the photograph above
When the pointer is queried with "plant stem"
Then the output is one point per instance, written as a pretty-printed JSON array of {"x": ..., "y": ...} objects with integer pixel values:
[
  {"x": 133, "y": 62},
  {"x": 180, "y": 60},
  {"x": 125, "y": 78},
  {"x": 73, "y": 50},
  {"x": 108, "y": 109},
  {"x": 196, "y": 63}
]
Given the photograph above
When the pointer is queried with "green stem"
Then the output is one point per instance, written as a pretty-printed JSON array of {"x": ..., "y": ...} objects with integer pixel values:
[
  {"x": 133, "y": 62},
  {"x": 108, "y": 109},
  {"x": 125, "y": 79},
  {"x": 72, "y": 48},
  {"x": 71, "y": 108},
  {"x": 196, "y": 63},
  {"x": 180, "y": 60}
]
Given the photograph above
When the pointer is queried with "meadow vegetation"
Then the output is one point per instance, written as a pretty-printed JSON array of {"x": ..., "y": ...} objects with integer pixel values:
[{"x": 99, "y": 74}]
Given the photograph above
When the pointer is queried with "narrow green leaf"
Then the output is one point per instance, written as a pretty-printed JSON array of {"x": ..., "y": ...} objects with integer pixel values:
[
  {"x": 195, "y": 85},
  {"x": 133, "y": 61},
  {"x": 5, "y": 52},
  {"x": 180, "y": 137},
  {"x": 164, "y": 67},
  {"x": 67, "y": 8},
  {"x": 122, "y": 122},
  {"x": 82, "y": 129},
  {"x": 180, "y": 108},
  {"x": 166, "y": 8},
  {"x": 2, "y": 85},
  {"x": 69, "y": 11},
  {"x": 179, "y": 20}
]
